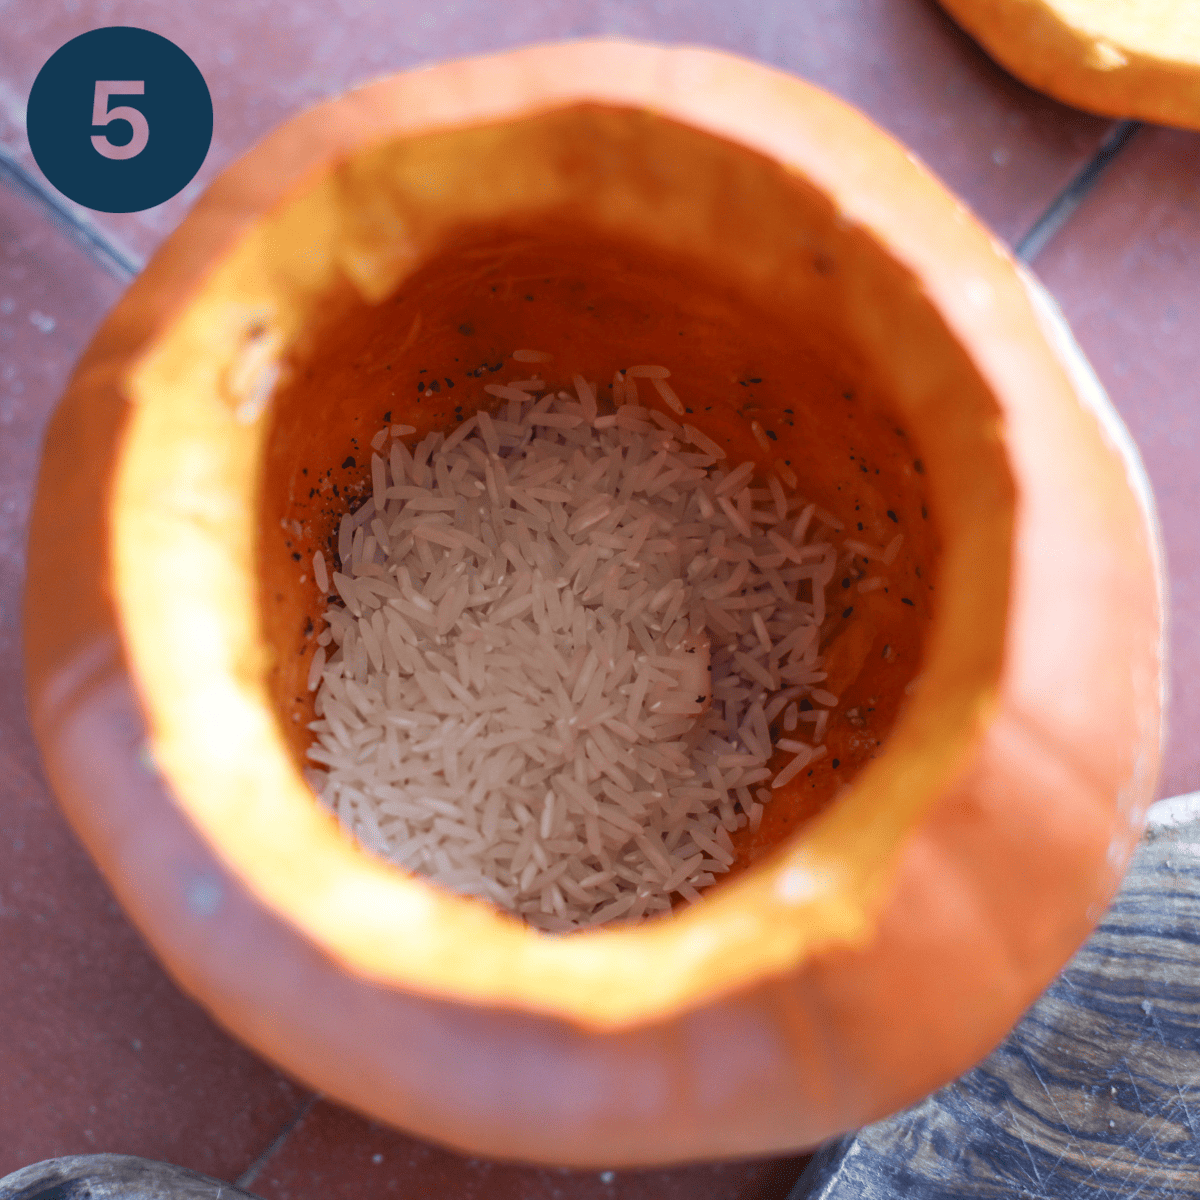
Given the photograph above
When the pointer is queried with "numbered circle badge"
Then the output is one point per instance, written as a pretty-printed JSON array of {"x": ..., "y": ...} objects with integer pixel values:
[{"x": 119, "y": 119}]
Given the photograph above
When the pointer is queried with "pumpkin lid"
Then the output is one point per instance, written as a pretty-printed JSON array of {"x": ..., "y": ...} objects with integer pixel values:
[{"x": 1121, "y": 58}]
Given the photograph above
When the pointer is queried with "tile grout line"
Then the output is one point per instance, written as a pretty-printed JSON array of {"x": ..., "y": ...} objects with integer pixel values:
[
  {"x": 1063, "y": 206},
  {"x": 116, "y": 261},
  {"x": 251, "y": 1173}
]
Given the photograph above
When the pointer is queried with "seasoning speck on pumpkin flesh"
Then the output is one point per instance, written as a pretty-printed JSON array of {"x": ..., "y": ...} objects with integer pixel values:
[{"x": 564, "y": 634}]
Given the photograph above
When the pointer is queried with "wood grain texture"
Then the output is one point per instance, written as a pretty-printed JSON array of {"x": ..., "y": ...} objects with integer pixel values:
[
  {"x": 1095, "y": 1095},
  {"x": 113, "y": 1177}
]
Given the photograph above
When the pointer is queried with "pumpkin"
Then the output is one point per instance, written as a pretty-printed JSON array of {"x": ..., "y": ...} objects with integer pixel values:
[
  {"x": 608, "y": 202},
  {"x": 1121, "y": 58}
]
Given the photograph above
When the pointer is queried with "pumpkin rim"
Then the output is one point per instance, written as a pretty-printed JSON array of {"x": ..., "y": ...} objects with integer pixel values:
[{"x": 972, "y": 283}]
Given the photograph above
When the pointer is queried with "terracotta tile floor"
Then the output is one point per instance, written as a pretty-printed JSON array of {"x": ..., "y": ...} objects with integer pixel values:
[{"x": 98, "y": 1050}]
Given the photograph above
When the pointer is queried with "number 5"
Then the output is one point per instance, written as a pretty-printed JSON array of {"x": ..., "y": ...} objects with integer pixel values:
[{"x": 102, "y": 115}]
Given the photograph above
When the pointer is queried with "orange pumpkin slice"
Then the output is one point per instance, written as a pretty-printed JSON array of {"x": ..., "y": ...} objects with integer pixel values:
[{"x": 1121, "y": 58}]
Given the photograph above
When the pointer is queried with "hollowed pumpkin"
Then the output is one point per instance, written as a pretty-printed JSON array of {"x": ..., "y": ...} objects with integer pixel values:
[{"x": 611, "y": 203}]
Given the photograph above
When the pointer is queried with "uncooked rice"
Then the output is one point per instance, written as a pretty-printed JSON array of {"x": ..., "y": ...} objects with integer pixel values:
[{"x": 512, "y": 697}]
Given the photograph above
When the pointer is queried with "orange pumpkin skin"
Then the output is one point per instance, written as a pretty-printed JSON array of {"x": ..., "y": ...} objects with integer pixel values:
[
  {"x": 1136, "y": 60},
  {"x": 1029, "y": 793}
]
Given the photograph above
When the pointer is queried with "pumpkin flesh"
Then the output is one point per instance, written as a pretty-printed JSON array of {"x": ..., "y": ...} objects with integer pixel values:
[
  {"x": 176, "y": 577},
  {"x": 765, "y": 1015}
]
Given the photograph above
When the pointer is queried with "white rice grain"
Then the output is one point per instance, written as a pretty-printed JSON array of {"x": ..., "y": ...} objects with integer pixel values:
[
  {"x": 563, "y": 644},
  {"x": 697, "y": 439},
  {"x": 316, "y": 669},
  {"x": 667, "y": 392}
]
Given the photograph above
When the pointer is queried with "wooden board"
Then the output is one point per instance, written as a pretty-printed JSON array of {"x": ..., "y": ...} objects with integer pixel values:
[
  {"x": 1095, "y": 1094},
  {"x": 113, "y": 1177}
]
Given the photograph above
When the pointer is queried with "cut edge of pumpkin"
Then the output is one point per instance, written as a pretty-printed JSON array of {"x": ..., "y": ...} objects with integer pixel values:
[{"x": 218, "y": 741}]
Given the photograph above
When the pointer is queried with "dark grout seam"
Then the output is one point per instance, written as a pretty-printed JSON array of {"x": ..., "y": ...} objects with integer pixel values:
[
  {"x": 251, "y": 1173},
  {"x": 1063, "y": 206},
  {"x": 110, "y": 257}
]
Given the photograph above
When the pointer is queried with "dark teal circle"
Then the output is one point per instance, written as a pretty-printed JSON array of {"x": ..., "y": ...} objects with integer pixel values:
[{"x": 175, "y": 103}]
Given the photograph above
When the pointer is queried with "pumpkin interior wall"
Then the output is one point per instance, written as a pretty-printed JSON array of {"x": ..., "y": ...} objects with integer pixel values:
[{"x": 598, "y": 303}]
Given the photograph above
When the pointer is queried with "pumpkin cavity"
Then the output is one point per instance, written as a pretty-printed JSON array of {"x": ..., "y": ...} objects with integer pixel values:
[
  {"x": 567, "y": 640},
  {"x": 746, "y": 434}
]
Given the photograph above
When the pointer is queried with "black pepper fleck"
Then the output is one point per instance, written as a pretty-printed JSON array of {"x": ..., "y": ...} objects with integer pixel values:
[
  {"x": 906, "y": 600},
  {"x": 892, "y": 516},
  {"x": 349, "y": 461}
]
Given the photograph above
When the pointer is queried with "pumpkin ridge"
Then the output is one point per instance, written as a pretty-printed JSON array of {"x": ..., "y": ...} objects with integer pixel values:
[{"x": 1058, "y": 749}]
